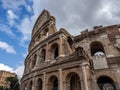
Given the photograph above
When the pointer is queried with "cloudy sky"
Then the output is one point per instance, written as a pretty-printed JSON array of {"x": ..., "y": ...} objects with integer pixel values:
[{"x": 17, "y": 18}]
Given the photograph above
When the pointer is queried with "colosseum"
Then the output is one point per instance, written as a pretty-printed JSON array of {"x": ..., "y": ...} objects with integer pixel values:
[{"x": 57, "y": 60}]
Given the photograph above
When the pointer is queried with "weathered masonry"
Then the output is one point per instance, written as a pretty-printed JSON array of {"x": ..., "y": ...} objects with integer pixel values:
[{"x": 57, "y": 60}]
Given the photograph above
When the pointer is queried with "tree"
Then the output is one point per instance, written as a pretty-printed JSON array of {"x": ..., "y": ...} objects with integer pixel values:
[
  {"x": 1, "y": 88},
  {"x": 14, "y": 83}
]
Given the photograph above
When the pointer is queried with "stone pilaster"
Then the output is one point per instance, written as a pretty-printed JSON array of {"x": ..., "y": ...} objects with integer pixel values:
[
  {"x": 61, "y": 80},
  {"x": 85, "y": 76},
  {"x": 60, "y": 48},
  {"x": 44, "y": 81}
]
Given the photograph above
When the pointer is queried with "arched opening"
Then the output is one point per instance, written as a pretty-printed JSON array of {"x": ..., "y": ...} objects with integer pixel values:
[
  {"x": 34, "y": 61},
  {"x": 73, "y": 82},
  {"x": 31, "y": 85},
  {"x": 106, "y": 83},
  {"x": 55, "y": 87},
  {"x": 97, "y": 48},
  {"x": 53, "y": 83},
  {"x": 39, "y": 84},
  {"x": 70, "y": 41},
  {"x": 45, "y": 33},
  {"x": 43, "y": 54},
  {"x": 54, "y": 51}
]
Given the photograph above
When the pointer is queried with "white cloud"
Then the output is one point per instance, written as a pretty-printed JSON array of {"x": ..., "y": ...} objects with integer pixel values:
[
  {"x": 19, "y": 70},
  {"x": 11, "y": 14},
  {"x": 11, "y": 17},
  {"x": 27, "y": 23},
  {"x": 25, "y": 54},
  {"x": 15, "y": 4},
  {"x": 25, "y": 28},
  {"x": 82, "y": 14},
  {"x": 8, "y": 48},
  {"x": 6, "y": 29},
  {"x": 5, "y": 67}
]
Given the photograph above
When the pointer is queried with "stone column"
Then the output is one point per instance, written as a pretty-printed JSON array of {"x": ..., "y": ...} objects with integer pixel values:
[
  {"x": 60, "y": 48},
  {"x": 60, "y": 79},
  {"x": 85, "y": 76},
  {"x": 44, "y": 81}
]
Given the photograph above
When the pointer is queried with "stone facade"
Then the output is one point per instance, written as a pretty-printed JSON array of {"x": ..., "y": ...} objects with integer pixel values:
[
  {"x": 57, "y": 60},
  {"x": 3, "y": 76}
]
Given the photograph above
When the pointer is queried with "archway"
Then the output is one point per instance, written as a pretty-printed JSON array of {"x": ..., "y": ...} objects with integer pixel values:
[
  {"x": 34, "y": 61},
  {"x": 54, "y": 51},
  {"x": 39, "y": 84},
  {"x": 30, "y": 85},
  {"x": 73, "y": 82},
  {"x": 53, "y": 83},
  {"x": 106, "y": 83},
  {"x": 97, "y": 48},
  {"x": 45, "y": 34},
  {"x": 43, "y": 55}
]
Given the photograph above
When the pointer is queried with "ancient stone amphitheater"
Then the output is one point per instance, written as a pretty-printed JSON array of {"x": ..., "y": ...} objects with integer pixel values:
[{"x": 57, "y": 60}]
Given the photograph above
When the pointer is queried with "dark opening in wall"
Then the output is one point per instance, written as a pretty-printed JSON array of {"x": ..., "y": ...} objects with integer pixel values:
[
  {"x": 34, "y": 61},
  {"x": 97, "y": 48},
  {"x": 106, "y": 83},
  {"x": 43, "y": 54},
  {"x": 53, "y": 83},
  {"x": 54, "y": 51},
  {"x": 75, "y": 82},
  {"x": 55, "y": 87},
  {"x": 39, "y": 84},
  {"x": 30, "y": 85}
]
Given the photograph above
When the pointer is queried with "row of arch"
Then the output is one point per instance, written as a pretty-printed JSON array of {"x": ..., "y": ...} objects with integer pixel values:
[
  {"x": 43, "y": 35},
  {"x": 54, "y": 53},
  {"x": 73, "y": 82},
  {"x": 96, "y": 48}
]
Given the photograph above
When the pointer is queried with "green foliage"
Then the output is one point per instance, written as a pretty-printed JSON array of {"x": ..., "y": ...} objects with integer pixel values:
[
  {"x": 14, "y": 83},
  {"x": 1, "y": 88}
]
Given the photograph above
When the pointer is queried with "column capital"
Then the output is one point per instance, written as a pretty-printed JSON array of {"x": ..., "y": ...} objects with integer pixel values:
[
  {"x": 84, "y": 64},
  {"x": 60, "y": 69},
  {"x": 44, "y": 73}
]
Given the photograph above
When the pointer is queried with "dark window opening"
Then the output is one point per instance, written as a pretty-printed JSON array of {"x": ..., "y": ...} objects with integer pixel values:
[
  {"x": 43, "y": 54},
  {"x": 106, "y": 83},
  {"x": 55, "y": 87},
  {"x": 31, "y": 84},
  {"x": 56, "y": 52},
  {"x": 39, "y": 84},
  {"x": 97, "y": 48},
  {"x": 70, "y": 41},
  {"x": 75, "y": 82}
]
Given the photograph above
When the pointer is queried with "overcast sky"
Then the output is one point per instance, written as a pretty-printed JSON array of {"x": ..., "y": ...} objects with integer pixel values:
[{"x": 17, "y": 18}]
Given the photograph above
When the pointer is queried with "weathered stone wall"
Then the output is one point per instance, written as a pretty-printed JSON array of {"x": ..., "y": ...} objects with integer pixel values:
[{"x": 58, "y": 60}]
